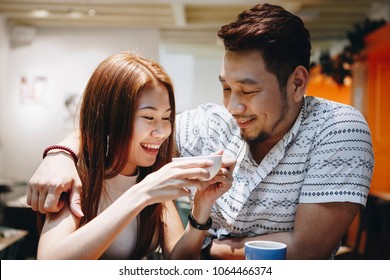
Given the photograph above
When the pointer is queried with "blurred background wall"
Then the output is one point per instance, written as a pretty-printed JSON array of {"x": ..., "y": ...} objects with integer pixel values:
[
  {"x": 39, "y": 79},
  {"x": 45, "y": 64}
]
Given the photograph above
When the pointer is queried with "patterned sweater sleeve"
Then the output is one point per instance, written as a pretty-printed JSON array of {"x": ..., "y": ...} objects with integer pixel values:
[{"x": 203, "y": 130}]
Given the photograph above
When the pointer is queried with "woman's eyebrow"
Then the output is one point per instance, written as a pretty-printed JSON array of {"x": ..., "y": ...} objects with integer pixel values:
[{"x": 153, "y": 108}]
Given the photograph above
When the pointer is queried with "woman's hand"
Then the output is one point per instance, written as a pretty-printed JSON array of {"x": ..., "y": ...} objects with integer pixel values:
[
  {"x": 171, "y": 181},
  {"x": 189, "y": 245}
]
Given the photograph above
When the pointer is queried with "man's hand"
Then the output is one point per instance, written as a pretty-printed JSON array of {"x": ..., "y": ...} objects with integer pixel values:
[
  {"x": 55, "y": 175},
  {"x": 221, "y": 183}
]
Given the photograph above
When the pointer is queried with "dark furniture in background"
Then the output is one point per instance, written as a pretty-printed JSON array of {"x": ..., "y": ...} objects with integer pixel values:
[
  {"x": 16, "y": 215},
  {"x": 373, "y": 235}
]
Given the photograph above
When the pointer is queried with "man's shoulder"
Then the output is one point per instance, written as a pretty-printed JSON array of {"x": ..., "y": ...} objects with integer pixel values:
[
  {"x": 330, "y": 111},
  {"x": 206, "y": 110},
  {"x": 207, "y": 128},
  {"x": 331, "y": 122},
  {"x": 206, "y": 116}
]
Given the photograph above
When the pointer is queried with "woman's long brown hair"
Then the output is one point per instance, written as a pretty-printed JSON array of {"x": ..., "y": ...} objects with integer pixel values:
[{"x": 107, "y": 112}]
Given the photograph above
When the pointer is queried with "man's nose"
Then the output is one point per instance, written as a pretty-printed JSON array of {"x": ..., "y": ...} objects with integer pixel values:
[{"x": 235, "y": 104}]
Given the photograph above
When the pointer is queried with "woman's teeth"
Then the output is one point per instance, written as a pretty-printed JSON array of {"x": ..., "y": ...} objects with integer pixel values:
[{"x": 150, "y": 146}]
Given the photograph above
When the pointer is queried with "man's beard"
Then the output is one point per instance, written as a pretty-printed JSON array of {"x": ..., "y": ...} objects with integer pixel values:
[{"x": 264, "y": 135}]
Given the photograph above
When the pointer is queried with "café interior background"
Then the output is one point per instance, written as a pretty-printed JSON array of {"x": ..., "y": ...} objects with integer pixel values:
[
  {"x": 49, "y": 49},
  {"x": 46, "y": 59}
]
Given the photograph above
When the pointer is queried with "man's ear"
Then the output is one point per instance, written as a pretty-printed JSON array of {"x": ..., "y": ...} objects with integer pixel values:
[{"x": 299, "y": 80}]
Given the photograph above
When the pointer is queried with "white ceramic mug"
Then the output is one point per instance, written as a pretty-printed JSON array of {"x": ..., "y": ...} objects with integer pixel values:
[{"x": 217, "y": 159}]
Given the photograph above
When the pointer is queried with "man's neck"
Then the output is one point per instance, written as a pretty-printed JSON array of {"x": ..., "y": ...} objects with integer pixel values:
[{"x": 261, "y": 149}]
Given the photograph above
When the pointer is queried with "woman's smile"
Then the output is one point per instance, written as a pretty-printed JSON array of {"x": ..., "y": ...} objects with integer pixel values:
[{"x": 151, "y": 149}]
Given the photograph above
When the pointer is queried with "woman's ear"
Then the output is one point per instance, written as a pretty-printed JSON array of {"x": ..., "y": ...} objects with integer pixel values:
[{"x": 299, "y": 80}]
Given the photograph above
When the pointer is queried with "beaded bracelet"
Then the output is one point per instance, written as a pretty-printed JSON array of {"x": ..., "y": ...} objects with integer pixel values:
[{"x": 63, "y": 148}]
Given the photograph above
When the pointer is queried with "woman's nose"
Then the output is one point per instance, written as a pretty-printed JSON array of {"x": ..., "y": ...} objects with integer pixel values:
[{"x": 161, "y": 131}]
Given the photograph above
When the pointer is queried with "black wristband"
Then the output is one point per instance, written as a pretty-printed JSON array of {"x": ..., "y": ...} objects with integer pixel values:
[{"x": 198, "y": 226}]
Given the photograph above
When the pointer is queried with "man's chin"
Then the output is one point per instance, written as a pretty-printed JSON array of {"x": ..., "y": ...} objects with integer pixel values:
[
  {"x": 255, "y": 139},
  {"x": 248, "y": 138}
]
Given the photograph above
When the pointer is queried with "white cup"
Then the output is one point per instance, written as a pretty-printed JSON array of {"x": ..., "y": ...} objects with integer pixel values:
[{"x": 217, "y": 159}]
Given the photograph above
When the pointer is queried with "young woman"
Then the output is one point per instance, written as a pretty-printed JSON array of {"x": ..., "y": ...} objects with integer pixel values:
[{"x": 128, "y": 180}]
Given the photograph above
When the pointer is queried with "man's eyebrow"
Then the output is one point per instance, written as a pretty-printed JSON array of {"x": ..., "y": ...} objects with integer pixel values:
[{"x": 246, "y": 81}]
